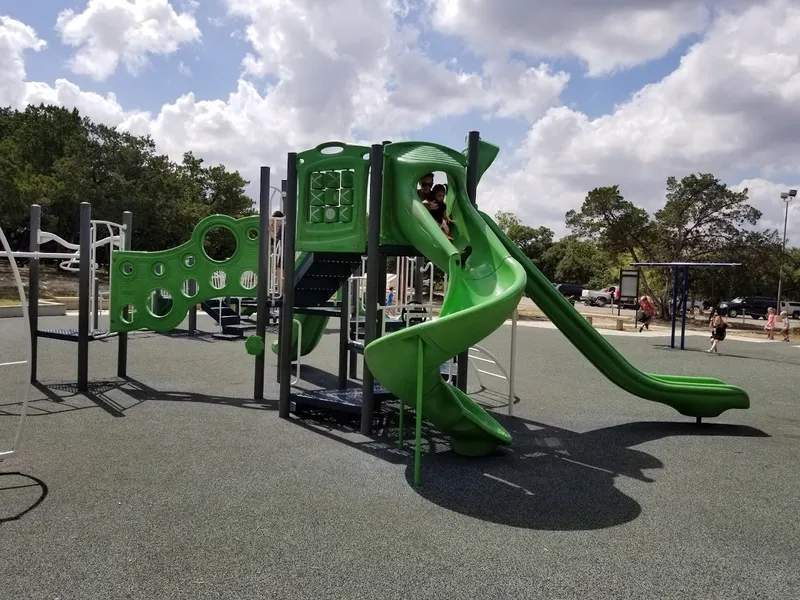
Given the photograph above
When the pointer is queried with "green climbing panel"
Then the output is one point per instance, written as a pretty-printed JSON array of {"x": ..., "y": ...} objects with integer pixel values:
[
  {"x": 155, "y": 290},
  {"x": 332, "y": 198}
]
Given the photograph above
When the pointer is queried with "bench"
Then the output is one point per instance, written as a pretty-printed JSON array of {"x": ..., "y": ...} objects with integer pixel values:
[{"x": 620, "y": 321}]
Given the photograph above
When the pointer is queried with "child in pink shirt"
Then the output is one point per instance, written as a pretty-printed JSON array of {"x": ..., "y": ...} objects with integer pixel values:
[{"x": 770, "y": 326}]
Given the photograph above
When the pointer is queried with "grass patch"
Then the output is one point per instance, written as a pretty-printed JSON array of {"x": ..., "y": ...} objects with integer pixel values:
[{"x": 9, "y": 301}]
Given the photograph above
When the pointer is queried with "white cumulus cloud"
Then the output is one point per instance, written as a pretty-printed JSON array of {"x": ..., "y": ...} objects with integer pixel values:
[{"x": 108, "y": 32}]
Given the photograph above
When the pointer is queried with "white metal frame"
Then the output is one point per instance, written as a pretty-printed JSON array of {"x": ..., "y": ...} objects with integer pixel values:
[
  {"x": 70, "y": 260},
  {"x": 299, "y": 350},
  {"x": 26, "y": 395}
]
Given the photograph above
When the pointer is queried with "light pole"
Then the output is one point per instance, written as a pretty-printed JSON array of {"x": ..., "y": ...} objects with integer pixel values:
[{"x": 786, "y": 197}]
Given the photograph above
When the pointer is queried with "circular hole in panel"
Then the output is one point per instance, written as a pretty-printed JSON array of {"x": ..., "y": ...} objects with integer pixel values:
[
  {"x": 248, "y": 280},
  {"x": 332, "y": 150},
  {"x": 190, "y": 288},
  {"x": 127, "y": 314},
  {"x": 127, "y": 268},
  {"x": 366, "y": 156},
  {"x": 252, "y": 234},
  {"x": 159, "y": 269},
  {"x": 219, "y": 243},
  {"x": 159, "y": 303},
  {"x": 219, "y": 280},
  {"x": 189, "y": 260}
]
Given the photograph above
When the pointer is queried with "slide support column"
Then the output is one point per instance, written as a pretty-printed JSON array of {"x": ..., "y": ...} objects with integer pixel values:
[
  {"x": 263, "y": 279},
  {"x": 373, "y": 282},
  {"x": 122, "y": 346},
  {"x": 287, "y": 306},
  {"x": 33, "y": 288}
]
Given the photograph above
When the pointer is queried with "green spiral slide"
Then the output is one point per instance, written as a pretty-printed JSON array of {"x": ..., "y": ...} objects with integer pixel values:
[
  {"x": 482, "y": 293},
  {"x": 691, "y": 396}
]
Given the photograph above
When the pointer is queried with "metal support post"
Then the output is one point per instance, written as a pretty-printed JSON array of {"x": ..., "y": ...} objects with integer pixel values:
[
  {"x": 473, "y": 142},
  {"x": 373, "y": 282},
  {"x": 33, "y": 288},
  {"x": 263, "y": 279},
  {"x": 83, "y": 295},
  {"x": 344, "y": 336},
  {"x": 684, "y": 303},
  {"x": 122, "y": 338},
  {"x": 287, "y": 306}
]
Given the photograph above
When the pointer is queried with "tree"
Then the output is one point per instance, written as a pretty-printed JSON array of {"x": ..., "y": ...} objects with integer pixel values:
[
  {"x": 702, "y": 220},
  {"x": 533, "y": 242},
  {"x": 583, "y": 262},
  {"x": 53, "y": 157}
]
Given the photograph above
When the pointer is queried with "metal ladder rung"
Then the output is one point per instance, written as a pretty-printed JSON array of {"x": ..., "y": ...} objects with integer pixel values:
[
  {"x": 492, "y": 374},
  {"x": 13, "y": 363},
  {"x": 481, "y": 359}
]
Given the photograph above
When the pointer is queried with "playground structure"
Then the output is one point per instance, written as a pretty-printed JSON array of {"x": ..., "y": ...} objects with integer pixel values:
[
  {"x": 83, "y": 258},
  {"x": 347, "y": 208},
  {"x": 333, "y": 218}
]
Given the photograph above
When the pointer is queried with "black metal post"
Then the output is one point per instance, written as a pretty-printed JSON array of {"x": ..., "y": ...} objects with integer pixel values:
[
  {"x": 419, "y": 296},
  {"x": 281, "y": 266},
  {"x": 263, "y": 279},
  {"x": 84, "y": 275},
  {"x": 122, "y": 346},
  {"x": 354, "y": 306},
  {"x": 287, "y": 307},
  {"x": 684, "y": 301},
  {"x": 472, "y": 192},
  {"x": 193, "y": 308},
  {"x": 344, "y": 335},
  {"x": 373, "y": 281},
  {"x": 33, "y": 288}
]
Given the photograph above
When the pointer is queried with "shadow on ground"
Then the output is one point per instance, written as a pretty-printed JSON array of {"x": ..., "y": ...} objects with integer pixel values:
[
  {"x": 549, "y": 479},
  {"x": 723, "y": 353},
  {"x": 19, "y": 495}
]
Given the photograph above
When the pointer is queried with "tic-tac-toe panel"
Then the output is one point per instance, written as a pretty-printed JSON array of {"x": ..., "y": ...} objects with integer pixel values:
[{"x": 331, "y": 198}]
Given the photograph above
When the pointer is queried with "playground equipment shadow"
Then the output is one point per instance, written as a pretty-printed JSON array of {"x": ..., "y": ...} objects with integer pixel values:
[
  {"x": 21, "y": 494},
  {"x": 569, "y": 486}
]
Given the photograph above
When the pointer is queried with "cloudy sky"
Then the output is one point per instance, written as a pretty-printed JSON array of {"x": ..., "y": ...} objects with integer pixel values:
[{"x": 578, "y": 93}]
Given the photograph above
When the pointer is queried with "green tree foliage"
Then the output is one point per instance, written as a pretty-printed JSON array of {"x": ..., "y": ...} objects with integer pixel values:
[
  {"x": 533, "y": 241},
  {"x": 54, "y": 157},
  {"x": 583, "y": 262},
  {"x": 702, "y": 221}
]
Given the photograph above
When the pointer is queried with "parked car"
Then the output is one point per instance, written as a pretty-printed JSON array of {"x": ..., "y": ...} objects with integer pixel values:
[
  {"x": 792, "y": 307},
  {"x": 754, "y": 306},
  {"x": 596, "y": 298},
  {"x": 569, "y": 289}
]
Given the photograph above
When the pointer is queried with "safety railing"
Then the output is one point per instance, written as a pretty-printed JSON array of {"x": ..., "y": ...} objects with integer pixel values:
[{"x": 26, "y": 394}]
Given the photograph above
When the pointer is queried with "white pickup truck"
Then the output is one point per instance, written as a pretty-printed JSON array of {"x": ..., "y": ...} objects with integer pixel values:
[{"x": 597, "y": 298}]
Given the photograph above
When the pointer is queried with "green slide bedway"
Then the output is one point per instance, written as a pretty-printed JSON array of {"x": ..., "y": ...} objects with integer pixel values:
[
  {"x": 691, "y": 396},
  {"x": 482, "y": 293}
]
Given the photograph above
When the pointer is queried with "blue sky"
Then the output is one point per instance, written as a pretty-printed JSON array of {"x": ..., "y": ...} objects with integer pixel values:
[{"x": 215, "y": 66}]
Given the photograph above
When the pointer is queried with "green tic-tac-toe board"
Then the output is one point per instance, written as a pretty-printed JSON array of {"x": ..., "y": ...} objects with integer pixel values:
[{"x": 332, "y": 198}]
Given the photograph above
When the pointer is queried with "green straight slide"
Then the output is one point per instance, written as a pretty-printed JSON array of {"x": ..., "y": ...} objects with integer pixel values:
[
  {"x": 482, "y": 293},
  {"x": 691, "y": 396}
]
